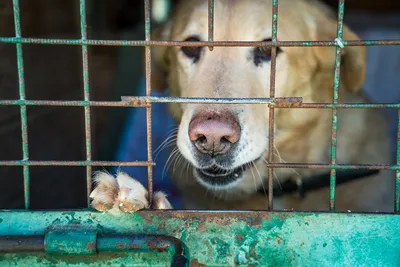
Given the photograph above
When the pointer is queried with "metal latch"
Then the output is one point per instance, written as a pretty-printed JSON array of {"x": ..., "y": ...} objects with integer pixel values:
[{"x": 88, "y": 242}]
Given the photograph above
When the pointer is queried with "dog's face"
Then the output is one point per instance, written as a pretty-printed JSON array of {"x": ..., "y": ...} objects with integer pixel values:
[{"x": 227, "y": 144}]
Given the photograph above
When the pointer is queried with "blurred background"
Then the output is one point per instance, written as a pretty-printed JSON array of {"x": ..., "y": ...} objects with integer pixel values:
[{"x": 55, "y": 73}]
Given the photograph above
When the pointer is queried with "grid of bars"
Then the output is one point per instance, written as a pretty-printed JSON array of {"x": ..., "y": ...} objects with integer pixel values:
[{"x": 147, "y": 100}]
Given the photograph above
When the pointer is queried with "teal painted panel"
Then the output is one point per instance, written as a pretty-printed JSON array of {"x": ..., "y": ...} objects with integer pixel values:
[{"x": 218, "y": 238}]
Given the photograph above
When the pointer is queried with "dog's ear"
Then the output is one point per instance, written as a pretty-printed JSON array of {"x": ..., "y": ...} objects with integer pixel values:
[
  {"x": 159, "y": 53},
  {"x": 353, "y": 61}
]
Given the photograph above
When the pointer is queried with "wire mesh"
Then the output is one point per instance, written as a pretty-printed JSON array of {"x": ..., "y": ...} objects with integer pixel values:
[
  {"x": 24, "y": 119},
  {"x": 146, "y": 101},
  {"x": 86, "y": 93}
]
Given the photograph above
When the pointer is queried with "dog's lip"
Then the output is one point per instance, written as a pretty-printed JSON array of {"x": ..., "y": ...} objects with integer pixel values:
[
  {"x": 216, "y": 171},
  {"x": 217, "y": 176}
]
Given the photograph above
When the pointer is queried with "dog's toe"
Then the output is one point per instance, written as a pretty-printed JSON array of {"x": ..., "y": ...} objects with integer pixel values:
[
  {"x": 105, "y": 193},
  {"x": 123, "y": 193},
  {"x": 160, "y": 201},
  {"x": 132, "y": 195}
]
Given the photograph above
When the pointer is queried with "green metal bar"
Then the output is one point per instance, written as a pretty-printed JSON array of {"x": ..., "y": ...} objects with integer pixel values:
[
  {"x": 86, "y": 92},
  {"x": 24, "y": 119},
  {"x": 397, "y": 192},
  {"x": 271, "y": 108},
  {"x": 147, "y": 16},
  {"x": 17, "y": 40},
  {"x": 335, "y": 101}
]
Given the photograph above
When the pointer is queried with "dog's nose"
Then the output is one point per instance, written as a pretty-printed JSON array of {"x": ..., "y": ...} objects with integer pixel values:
[{"x": 214, "y": 133}]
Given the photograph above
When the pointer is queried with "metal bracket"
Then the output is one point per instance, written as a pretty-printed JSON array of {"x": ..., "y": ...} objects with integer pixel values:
[{"x": 73, "y": 241}]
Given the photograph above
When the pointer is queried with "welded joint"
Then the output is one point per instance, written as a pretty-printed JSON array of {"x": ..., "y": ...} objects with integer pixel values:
[{"x": 339, "y": 42}]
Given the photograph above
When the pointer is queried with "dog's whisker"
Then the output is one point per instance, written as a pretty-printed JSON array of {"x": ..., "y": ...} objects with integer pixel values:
[
  {"x": 166, "y": 165},
  {"x": 167, "y": 140},
  {"x": 261, "y": 180},
  {"x": 275, "y": 175},
  {"x": 165, "y": 145},
  {"x": 282, "y": 160},
  {"x": 254, "y": 178}
]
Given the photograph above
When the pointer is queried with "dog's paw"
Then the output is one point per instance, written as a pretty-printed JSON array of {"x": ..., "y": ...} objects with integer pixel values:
[{"x": 123, "y": 194}]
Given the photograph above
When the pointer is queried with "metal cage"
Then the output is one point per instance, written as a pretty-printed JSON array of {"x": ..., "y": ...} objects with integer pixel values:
[{"x": 28, "y": 232}]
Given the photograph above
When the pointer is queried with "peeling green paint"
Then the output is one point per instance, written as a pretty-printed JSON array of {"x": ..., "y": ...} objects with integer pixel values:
[{"x": 225, "y": 238}]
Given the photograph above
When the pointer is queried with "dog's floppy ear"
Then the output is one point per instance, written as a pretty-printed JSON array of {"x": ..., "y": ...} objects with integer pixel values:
[
  {"x": 159, "y": 53},
  {"x": 159, "y": 57},
  {"x": 353, "y": 62}
]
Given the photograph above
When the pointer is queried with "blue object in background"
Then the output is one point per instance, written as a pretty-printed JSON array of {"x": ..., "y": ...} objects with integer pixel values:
[{"x": 133, "y": 145}]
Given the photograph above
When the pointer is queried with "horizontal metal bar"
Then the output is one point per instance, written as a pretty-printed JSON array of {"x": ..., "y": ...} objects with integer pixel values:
[
  {"x": 203, "y": 100},
  {"x": 16, "y": 40},
  {"x": 129, "y": 101},
  {"x": 62, "y": 103},
  {"x": 74, "y": 163},
  {"x": 104, "y": 243},
  {"x": 20, "y": 244},
  {"x": 334, "y": 166},
  {"x": 148, "y": 163}
]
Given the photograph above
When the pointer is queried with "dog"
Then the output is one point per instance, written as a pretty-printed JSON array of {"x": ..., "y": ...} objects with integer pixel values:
[{"x": 225, "y": 146}]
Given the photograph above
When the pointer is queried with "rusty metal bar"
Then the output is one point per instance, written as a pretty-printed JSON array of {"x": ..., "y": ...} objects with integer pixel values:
[
  {"x": 24, "y": 119},
  {"x": 74, "y": 163},
  {"x": 104, "y": 243},
  {"x": 147, "y": 15},
  {"x": 211, "y": 22},
  {"x": 86, "y": 93},
  {"x": 143, "y": 101},
  {"x": 335, "y": 101},
  {"x": 186, "y": 100},
  {"x": 148, "y": 163},
  {"x": 271, "y": 108},
  {"x": 20, "y": 40}
]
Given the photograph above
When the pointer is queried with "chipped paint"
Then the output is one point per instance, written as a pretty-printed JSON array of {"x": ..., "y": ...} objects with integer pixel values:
[{"x": 223, "y": 238}]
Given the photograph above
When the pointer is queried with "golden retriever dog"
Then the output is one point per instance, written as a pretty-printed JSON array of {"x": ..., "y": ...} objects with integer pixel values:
[{"x": 225, "y": 146}]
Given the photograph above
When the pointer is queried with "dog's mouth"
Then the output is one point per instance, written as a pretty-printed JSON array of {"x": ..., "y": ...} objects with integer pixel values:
[{"x": 216, "y": 176}]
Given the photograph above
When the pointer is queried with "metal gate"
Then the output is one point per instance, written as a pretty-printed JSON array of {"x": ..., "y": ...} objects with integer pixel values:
[{"x": 195, "y": 238}]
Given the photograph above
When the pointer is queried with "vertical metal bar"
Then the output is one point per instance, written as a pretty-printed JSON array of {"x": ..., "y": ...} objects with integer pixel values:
[
  {"x": 86, "y": 92},
  {"x": 397, "y": 192},
  {"x": 211, "y": 22},
  {"x": 335, "y": 101},
  {"x": 148, "y": 93},
  {"x": 24, "y": 119},
  {"x": 271, "y": 109}
]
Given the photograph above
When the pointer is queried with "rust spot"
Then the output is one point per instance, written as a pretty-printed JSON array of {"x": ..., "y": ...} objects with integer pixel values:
[
  {"x": 196, "y": 263},
  {"x": 91, "y": 245},
  {"x": 254, "y": 220},
  {"x": 288, "y": 102},
  {"x": 120, "y": 245},
  {"x": 239, "y": 237},
  {"x": 61, "y": 246},
  {"x": 302, "y": 244},
  {"x": 279, "y": 239}
]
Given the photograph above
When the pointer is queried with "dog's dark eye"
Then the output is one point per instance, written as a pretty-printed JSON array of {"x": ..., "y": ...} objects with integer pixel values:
[
  {"x": 263, "y": 53},
  {"x": 192, "y": 51}
]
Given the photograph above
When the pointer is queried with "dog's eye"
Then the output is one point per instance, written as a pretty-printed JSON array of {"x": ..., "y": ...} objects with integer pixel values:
[
  {"x": 192, "y": 51},
  {"x": 263, "y": 53}
]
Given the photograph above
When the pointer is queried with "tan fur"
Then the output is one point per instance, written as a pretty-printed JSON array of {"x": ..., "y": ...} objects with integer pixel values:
[{"x": 301, "y": 135}]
